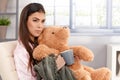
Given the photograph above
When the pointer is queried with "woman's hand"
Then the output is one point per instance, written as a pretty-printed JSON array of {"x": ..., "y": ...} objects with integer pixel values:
[{"x": 60, "y": 62}]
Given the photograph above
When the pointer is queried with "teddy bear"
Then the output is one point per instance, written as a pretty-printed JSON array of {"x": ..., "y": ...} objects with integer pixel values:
[{"x": 54, "y": 39}]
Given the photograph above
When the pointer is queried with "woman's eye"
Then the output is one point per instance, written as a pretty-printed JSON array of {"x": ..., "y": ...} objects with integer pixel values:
[
  {"x": 43, "y": 21},
  {"x": 34, "y": 20}
]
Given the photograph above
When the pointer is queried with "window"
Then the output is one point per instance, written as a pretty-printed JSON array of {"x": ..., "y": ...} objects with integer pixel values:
[
  {"x": 84, "y": 16},
  {"x": 90, "y": 13},
  {"x": 116, "y": 13},
  {"x": 57, "y": 11}
]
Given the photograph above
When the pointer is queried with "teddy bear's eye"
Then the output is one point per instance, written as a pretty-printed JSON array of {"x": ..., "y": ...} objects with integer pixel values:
[{"x": 53, "y": 33}]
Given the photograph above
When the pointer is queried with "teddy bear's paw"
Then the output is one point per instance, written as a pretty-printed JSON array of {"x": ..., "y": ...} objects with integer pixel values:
[
  {"x": 39, "y": 57},
  {"x": 101, "y": 74}
]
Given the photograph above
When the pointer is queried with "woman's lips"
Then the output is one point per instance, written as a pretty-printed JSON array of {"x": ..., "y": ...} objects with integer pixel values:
[{"x": 38, "y": 31}]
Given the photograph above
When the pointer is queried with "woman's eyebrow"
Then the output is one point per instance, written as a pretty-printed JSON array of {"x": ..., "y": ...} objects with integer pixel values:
[{"x": 36, "y": 18}]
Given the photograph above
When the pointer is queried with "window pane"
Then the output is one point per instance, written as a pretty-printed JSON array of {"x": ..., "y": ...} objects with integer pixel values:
[
  {"x": 90, "y": 13},
  {"x": 49, "y": 8},
  {"x": 57, "y": 11},
  {"x": 116, "y": 13},
  {"x": 62, "y": 12}
]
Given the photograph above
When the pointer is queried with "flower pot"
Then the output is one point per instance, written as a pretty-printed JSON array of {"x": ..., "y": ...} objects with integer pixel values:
[
  {"x": 3, "y": 30},
  {"x": 3, "y": 5}
]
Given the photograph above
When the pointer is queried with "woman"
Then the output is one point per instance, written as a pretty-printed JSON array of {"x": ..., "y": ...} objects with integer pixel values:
[{"x": 32, "y": 21}]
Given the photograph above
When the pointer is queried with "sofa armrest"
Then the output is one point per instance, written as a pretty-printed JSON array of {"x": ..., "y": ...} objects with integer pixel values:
[{"x": 7, "y": 67}]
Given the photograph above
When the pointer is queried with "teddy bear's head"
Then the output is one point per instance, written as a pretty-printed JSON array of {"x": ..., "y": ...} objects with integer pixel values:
[{"x": 55, "y": 37}]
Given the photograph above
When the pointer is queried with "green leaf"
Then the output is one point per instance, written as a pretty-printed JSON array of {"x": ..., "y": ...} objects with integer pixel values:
[{"x": 4, "y": 21}]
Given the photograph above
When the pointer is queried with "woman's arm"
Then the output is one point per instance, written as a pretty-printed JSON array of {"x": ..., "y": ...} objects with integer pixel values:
[{"x": 21, "y": 59}]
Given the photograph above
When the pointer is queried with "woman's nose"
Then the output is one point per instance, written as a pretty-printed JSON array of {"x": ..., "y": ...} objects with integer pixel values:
[{"x": 40, "y": 25}]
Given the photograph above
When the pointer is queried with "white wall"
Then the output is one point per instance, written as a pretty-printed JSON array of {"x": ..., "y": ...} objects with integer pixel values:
[{"x": 98, "y": 44}]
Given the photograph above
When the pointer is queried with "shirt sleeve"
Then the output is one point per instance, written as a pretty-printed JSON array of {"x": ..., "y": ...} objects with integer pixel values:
[{"x": 21, "y": 58}]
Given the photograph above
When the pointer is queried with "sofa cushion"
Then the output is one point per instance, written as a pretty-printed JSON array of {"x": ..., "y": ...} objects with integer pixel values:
[{"x": 7, "y": 67}]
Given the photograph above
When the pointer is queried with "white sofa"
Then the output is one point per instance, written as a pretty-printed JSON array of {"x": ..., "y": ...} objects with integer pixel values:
[{"x": 7, "y": 67}]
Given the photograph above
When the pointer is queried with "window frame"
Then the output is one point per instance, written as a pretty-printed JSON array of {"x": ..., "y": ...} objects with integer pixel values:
[{"x": 108, "y": 30}]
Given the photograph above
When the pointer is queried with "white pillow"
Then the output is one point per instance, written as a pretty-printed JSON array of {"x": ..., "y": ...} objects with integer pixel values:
[{"x": 7, "y": 67}]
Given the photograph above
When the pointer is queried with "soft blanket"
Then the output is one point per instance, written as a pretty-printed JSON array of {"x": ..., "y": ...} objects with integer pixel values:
[{"x": 47, "y": 70}]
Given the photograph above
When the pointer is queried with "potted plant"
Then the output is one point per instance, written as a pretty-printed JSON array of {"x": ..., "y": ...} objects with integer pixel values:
[{"x": 4, "y": 22}]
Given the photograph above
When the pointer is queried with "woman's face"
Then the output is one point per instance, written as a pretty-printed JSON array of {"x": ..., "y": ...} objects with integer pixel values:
[{"x": 35, "y": 24}]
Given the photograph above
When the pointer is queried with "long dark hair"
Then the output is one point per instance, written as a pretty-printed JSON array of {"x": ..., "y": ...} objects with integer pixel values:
[{"x": 23, "y": 29}]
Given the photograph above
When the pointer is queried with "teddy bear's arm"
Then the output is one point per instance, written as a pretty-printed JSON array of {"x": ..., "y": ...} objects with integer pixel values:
[
  {"x": 42, "y": 51},
  {"x": 83, "y": 53}
]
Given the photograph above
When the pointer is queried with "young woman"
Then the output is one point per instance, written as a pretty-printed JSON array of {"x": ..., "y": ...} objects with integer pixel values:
[{"x": 32, "y": 21}]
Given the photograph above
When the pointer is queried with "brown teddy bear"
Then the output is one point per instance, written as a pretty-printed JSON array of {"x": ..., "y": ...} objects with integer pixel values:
[{"x": 54, "y": 39}]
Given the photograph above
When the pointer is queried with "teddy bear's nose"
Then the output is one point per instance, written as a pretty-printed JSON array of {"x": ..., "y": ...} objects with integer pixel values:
[{"x": 65, "y": 27}]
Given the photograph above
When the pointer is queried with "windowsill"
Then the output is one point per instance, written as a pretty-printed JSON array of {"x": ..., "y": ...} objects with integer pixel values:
[{"x": 95, "y": 32}]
